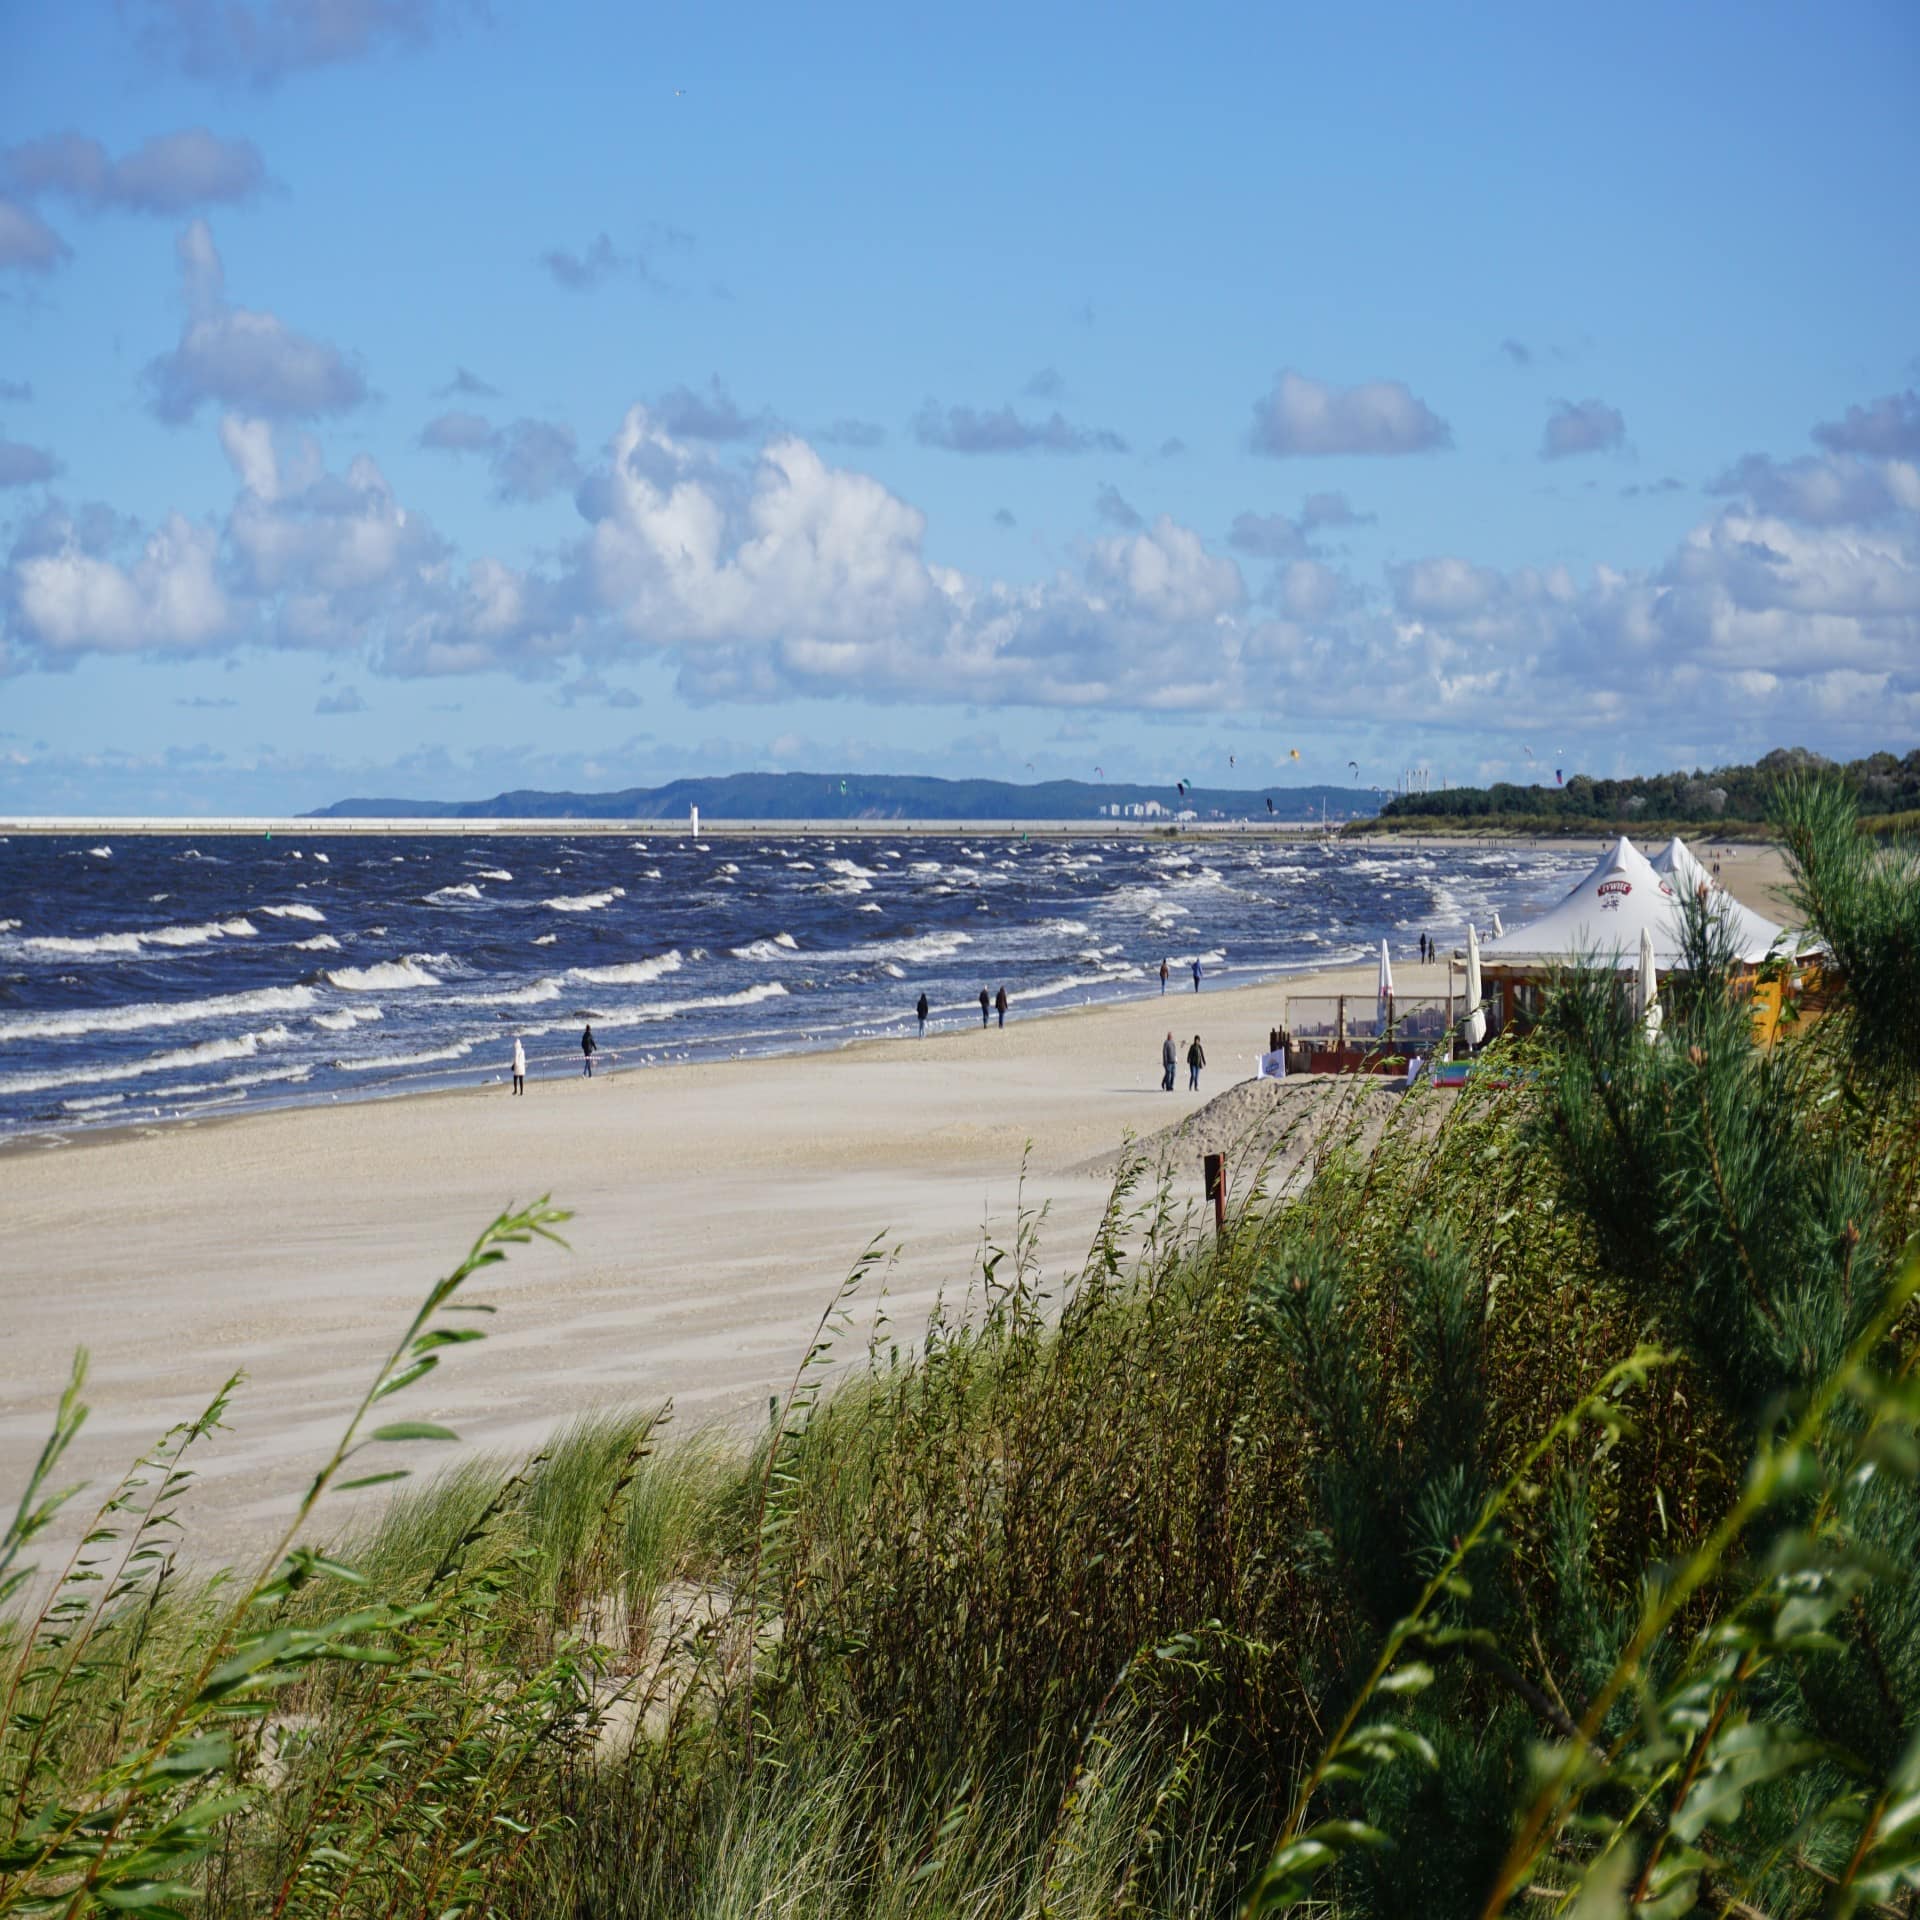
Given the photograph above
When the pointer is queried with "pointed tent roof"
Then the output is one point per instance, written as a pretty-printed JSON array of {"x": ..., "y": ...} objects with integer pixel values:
[
  {"x": 1601, "y": 919},
  {"x": 1685, "y": 874}
]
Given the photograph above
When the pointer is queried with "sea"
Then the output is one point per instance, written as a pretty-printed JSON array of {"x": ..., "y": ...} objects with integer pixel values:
[{"x": 151, "y": 980}]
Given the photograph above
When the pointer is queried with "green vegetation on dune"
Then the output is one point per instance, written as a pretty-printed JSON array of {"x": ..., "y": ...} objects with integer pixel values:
[
  {"x": 1736, "y": 799},
  {"x": 1519, "y": 1517}
]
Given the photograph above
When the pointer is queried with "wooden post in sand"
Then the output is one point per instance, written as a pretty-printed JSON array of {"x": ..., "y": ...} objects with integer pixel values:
[{"x": 1215, "y": 1167}]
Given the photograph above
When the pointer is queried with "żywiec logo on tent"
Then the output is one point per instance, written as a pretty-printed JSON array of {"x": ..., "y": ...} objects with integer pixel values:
[{"x": 1611, "y": 893}]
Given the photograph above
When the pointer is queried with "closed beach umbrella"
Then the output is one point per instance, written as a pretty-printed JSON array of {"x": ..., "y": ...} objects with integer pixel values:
[
  {"x": 1386, "y": 973},
  {"x": 1476, "y": 1028},
  {"x": 1646, "y": 988},
  {"x": 1499, "y": 932}
]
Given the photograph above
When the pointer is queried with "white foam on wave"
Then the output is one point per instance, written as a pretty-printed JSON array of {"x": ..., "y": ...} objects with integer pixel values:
[
  {"x": 347, "y": 1018},
  {"x": 446, "y": 896},
  {"x": 388, "y": 976},
  {"x": 260, "y": 1079},
  {"x": 1070, "y": 983},
  {"x": 134, "y": 940},
  {"x": 100, "y": 853},
  {"x": 630, "y": 973},
  {"x": 93, "y": 1102},
  {"x": 493, "y": 873},
  {"x": 585, "y": 902},
  {"x": 385, "y": 1062},
  {"x": 322, "y": 858},
  {"x": 545, "y": 939},
  {"x": 7, "y": 926},
  {"x": 667, "y": 1009},
  {"x": 298, "y": 911},
  {"x": 239, "y": 1046},
  {"x": 535, "y": 995},
  {"x": 766, "y": 949},
  {"x": 320, "y": 943},
  {"x": 156, "y": 1013},
  {"x": 923, "y": 947},
  {"x": 852, "y": 869}
]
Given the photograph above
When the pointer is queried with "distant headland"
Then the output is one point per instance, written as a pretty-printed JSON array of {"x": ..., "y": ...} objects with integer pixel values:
[{"x": 889, "y": 796}]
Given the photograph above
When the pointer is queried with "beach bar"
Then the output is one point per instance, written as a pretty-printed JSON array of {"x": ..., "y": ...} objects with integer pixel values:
[{"x": 1623, "y": 902}]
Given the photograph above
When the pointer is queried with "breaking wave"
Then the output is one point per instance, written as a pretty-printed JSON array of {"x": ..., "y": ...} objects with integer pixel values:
[{"x": 385, "y": 976}]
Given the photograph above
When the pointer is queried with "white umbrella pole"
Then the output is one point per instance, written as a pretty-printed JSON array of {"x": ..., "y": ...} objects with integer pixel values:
[{"x": 1476, "y": 1027}]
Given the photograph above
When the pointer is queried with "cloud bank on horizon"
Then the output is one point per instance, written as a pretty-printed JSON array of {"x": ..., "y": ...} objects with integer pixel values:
[{"x": 1408, "y": 535}]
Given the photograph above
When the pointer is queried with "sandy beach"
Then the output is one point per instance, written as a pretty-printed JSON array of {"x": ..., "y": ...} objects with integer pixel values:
[{"x": 717, "y": 1208}]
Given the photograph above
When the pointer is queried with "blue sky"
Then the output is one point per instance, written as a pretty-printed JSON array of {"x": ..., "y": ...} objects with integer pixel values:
[{"x": 420, "y": 398}]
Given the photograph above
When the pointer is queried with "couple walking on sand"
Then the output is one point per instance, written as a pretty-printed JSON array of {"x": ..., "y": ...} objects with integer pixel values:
[
  {"x": 1164, "y": 976},
  {"x": 589, "y": 1046},
  {"x": 998, "y": 1003},
  {"x": 1170, "y": 1062}
]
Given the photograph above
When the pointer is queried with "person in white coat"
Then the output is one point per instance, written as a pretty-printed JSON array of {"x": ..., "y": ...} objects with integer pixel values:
[{"x": 519, "y": 1065}]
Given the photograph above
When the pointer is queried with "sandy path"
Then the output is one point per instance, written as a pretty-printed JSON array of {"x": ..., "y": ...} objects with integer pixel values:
[{"x": 717, "y": 1206}]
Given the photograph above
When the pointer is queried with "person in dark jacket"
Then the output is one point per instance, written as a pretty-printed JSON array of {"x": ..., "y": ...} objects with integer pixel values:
[
  {"x": 589, "y": 1046},
  {"x": 1196, "y": 1059},
  {"x": 920, "y": 1007},
  {"x": 1163, "y": 979},
  {"x": 1196, "y": 973},
  {"x": 1169, "y": 1064},
  {"x": 1000, "y": 1005},
  {"x": 984, "y": 1004}
]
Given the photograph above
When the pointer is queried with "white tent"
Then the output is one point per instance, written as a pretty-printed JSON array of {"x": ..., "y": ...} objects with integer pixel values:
[
  {"x": 1603, "y": 917},
  {"x": 1675, "y": 862}
]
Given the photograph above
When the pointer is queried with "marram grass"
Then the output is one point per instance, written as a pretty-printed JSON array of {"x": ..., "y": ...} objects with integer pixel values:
[{"x": 1519, "y": 1516}]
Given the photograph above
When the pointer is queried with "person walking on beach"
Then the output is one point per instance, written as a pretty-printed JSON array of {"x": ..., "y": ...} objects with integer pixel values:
[
  {"x": 519, "y": 1066},
  {"x": 983, "y": 1006},
  {"x": 1196, "y": 973},
  {"x": 1163, "y": 979},
  {"x": 1169, "y": 1063},
  {"x": 1000, "y": 1005},
  {"x": 920, "y": 1007},
  {"x": 589, "y": 1046},
  {"x": 1196, "y": 1059}
]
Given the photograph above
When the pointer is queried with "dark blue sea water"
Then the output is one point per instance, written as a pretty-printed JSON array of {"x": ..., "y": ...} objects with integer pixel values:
[{"x": 160, "y": 978}]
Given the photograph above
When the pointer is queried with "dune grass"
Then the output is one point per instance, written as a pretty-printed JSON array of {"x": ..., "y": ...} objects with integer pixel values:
[{"x": 1514, "y": 1512}]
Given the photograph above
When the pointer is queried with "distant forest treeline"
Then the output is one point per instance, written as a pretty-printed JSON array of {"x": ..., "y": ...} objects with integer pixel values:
[{"x": 1881, "y": 784}]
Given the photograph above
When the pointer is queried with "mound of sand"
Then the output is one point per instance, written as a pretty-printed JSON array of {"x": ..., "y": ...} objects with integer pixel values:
[{"x": 1287, "y": 1124}]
